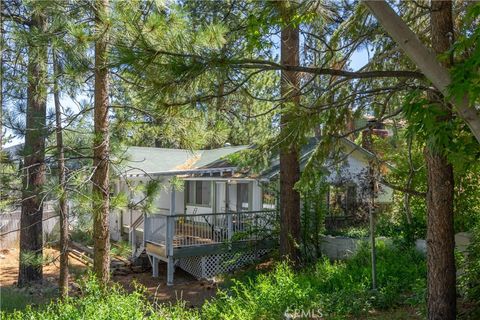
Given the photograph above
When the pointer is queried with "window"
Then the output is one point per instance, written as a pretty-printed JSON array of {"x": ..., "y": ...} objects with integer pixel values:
[
  {"x": 242, "y": 197},
  {"x": 198, "y": 192},
  {"x": 189, "y": 192},
  {"x": 202, "y": 193}
]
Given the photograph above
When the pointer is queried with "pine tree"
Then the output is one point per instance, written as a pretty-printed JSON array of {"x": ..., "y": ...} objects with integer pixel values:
[
  {"x": 289, "y": 152},
  {"x": 31, "y": 235},
  {"x": 100, "y": 178}
]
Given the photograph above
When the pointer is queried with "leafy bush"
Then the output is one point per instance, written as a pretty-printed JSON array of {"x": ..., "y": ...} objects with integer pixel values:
[
  {"x": 402, "y": 232},
  {"x": 12, "y": 298},
  {"x": 335, "y": 290},
  {"x": 470, "y": 275},
  {"x": 83, "y": 236},
  {"x": 121, "y": 248},
  {"x": 353, "y": 232},
  {"x": 94, "y": 303}
]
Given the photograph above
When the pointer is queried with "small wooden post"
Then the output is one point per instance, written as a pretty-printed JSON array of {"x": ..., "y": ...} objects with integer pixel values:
[
  {"x": 146, "y": 228},
  {"x": 170, "y": 270},
  {"x": 131, "y": 235},
  {"x": 372, "y": 242},
  {"x": 154, "y": 267}
]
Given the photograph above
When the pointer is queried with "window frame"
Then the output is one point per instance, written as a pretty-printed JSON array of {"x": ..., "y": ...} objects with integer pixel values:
[
  {"x": 245, "y": 185},
  {"x": 193, "y": 196}
]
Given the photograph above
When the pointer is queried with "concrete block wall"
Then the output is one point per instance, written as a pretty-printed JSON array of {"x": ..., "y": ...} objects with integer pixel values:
[{"x": 341, "y": 248}]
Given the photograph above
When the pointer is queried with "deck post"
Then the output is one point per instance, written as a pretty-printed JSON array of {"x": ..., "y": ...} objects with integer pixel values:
[
  {"x": 170, "y": 271},
  {"x": 133, "y": 239},
  {"x": 229, "y": 215},
  {"x": 171, "y": 223},
  {"x": 154, "y": 267},
  {"x": 170, "y": 235},
  {"x": 145, "y": 228},
  {"x": 172, "y": 200},
  {"x": 131, "y": 235}
]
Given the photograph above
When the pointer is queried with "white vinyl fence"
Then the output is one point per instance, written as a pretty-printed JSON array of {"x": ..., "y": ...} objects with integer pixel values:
[{"x": 10, "y": 226}]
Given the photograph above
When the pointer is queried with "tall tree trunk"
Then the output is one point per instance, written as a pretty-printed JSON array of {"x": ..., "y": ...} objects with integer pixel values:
[
  {"x": 100, "y": 179},
  {"x": 62, "y": 206},
  {"x": 31, "y": 235},
  {"x": 1, "y": 83},
  {"x": 440, "y": 231},
  {"x": 289, "y": 157}
]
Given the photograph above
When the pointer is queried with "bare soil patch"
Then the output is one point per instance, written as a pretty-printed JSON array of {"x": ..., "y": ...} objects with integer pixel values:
[{"x": 186, "y": 287}]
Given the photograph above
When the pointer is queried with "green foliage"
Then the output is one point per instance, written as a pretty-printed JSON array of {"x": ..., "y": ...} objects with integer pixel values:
[
  {"x": 352, "y": 232},
  {"x": 336, "y": 289},
  {"x": 400, "y": 230},
  {"x": 12, "y": 299},
  {"x": 313, "y": 192},
  {"x": 83, "y": 233},
  {"x": 121, "y": 248},
  {"x": 470, "y": 274},
  {"x": 94, "y": 303},
  {"x": 465, "y": 75}
]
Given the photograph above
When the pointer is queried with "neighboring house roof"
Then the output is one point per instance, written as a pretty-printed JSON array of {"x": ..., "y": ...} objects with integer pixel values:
[
  {"x": 307, "y": 151},
  {"x": 14, "y": 152},
  {"x": 163, "y": 161}
]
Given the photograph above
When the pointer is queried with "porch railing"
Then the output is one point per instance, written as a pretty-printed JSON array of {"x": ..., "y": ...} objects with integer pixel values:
[{"x": 186, "y": 230}]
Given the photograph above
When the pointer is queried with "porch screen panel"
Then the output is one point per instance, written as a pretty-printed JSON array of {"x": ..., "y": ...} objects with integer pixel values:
[
  {"x": 203, "y": 193},
  {"x": 156, "y": 228},
  {"x": 242, "y": 197}
]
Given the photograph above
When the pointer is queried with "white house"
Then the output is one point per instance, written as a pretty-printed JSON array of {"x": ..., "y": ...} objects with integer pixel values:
[{"x": 207, "y": 209}]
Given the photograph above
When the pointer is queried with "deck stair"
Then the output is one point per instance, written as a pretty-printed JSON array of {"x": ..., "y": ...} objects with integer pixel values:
[
  {"x": 138, "y": 247},
  {"x": 84, "y": 254}
]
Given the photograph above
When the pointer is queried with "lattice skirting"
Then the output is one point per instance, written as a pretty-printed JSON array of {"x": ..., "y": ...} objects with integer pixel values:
[{"x": 205, "y": 267}]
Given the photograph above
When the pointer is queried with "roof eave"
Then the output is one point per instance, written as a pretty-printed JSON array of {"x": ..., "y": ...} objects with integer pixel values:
[{"x": 210, "y": 171}]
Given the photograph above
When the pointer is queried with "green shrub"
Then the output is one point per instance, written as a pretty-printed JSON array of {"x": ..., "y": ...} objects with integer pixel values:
[
  {"x": 83, "y": 236},
  {"x": 336, "y": 290},
  {"x": 121, "y": 248},
  {"x": 94, "y": 303},
  {"x": 12, "y": 298},
  {"x": 352, "y": 232},
  {"x": 470, "y": 275}
]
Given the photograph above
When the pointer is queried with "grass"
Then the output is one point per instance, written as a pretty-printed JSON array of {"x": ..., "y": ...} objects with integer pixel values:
[
  {"x": 338, "y": 289},
  {"x": 11, "y": 298}
]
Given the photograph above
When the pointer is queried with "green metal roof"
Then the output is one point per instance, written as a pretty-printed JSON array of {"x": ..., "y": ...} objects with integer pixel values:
[{"x": 145, "y": 160}]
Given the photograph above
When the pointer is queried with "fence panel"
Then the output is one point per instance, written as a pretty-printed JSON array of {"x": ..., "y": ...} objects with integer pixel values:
[{"x": 10, "y": 226}]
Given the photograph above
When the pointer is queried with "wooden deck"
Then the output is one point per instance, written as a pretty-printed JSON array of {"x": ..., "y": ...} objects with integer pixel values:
[
  {"x": 159, "y": 250},
  {"x": 187, "y": 237}
]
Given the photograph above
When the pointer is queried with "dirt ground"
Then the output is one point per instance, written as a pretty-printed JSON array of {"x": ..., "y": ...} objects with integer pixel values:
[
  {"x": 186, "y": 287},
  {"x": 9, "y": 266}
]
